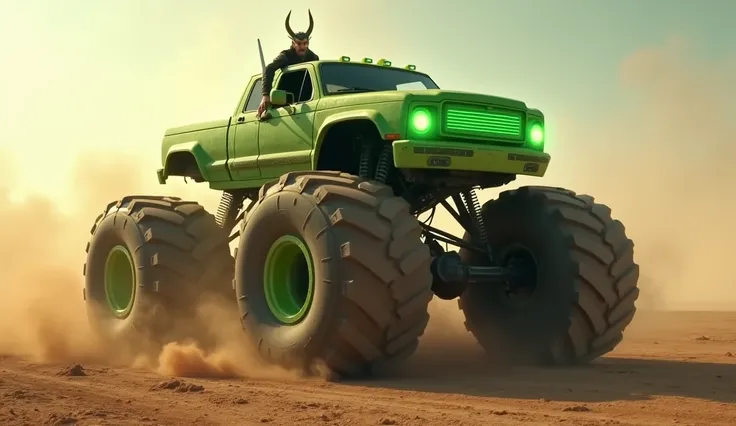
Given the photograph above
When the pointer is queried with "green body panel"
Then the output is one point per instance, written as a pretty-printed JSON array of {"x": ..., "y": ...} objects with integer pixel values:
[
  {"x": 242, "y": 142},
  {"x": 206, "y": 142},
  {"x": 242, "y": 148},
  {"x": 465, "y": 131}
]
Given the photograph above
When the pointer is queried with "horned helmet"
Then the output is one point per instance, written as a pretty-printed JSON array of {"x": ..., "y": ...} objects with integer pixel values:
[{"x": 301, "y": 35}]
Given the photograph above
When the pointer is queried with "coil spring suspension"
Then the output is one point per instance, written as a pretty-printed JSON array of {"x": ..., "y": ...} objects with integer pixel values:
[
  {"x": 365, "y": 161},
  {"x": 228, "y": 209},
  {"x": 384, "y": 164},
  {"x": 223, "y": 209},
  {"x": 470, "y": 198}
]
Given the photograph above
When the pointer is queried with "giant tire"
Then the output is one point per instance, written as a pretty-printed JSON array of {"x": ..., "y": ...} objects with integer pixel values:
[
  {"x": 586, "y": 283},
  {"x": 372, "y": 279},
  {"x": 178, "y": 254}
]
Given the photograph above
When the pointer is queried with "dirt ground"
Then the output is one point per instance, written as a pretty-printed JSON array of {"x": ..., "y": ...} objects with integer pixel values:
[{"x": 673, "y": 368}]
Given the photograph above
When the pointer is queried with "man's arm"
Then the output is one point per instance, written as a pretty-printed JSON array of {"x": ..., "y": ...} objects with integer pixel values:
[{"x": 279, "y": 62}]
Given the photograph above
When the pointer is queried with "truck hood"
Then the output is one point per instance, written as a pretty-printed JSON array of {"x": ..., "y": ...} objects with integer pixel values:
[
  {"x": 463, "y": 97},
  {"x": 435, "y": 95}
]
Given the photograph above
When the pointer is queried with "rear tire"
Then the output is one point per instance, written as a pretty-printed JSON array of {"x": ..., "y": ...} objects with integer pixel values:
[
  {"x": 586, "y": 285},
  {"x": 168, "y": 254},
  {"x": 370, "y": 273}
]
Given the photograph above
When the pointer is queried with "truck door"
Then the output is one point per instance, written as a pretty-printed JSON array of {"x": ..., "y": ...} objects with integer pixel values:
[
  {"x": 285, "y": 140},
  {"x": 243, "y": 162}
]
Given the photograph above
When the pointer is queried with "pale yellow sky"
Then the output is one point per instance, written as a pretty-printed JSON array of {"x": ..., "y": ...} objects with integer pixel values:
[{"x": 638, "y": 97}]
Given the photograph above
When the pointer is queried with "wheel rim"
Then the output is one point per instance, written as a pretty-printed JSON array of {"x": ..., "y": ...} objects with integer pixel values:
[
  {"x": 119, "y": 281},
  {"x": 288, "y": 279}
]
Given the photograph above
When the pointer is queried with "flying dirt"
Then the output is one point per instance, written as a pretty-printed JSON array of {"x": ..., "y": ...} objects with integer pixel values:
[{"x": 669, "y": 366}]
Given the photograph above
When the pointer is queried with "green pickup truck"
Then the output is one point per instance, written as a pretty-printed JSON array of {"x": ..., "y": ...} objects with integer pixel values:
[{"x": 332, "y": 263}]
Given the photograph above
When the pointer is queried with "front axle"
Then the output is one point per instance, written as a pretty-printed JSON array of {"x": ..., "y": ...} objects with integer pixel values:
[{"x": 452, "y": 275}]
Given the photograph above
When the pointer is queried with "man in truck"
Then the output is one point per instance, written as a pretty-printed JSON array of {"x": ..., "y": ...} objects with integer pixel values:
[{"x": 298, "y": 52}]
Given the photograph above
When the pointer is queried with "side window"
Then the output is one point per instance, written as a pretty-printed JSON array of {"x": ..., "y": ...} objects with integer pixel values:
[
  {"x": 299, "y": 83},
  {"x": 254, "y": 99}
]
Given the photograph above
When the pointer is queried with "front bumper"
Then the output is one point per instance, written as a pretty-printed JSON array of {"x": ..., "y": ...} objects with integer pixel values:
[{"x": 445, "y": 155}]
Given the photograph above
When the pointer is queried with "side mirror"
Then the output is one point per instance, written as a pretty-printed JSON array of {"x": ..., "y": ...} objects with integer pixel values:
[{"x": 281, "y": 97}]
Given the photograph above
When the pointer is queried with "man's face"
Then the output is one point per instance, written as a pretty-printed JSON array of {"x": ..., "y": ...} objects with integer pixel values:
[{"x": 300, "y": 46}]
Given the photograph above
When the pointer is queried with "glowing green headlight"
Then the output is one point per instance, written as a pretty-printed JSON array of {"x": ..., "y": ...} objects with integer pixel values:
[
  {"x": 536, "y": 134},
  {"x": 421, "y": 120}
]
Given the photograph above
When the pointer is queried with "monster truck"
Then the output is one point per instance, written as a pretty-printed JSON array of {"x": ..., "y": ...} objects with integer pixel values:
[{"x": 332, "y": 262}]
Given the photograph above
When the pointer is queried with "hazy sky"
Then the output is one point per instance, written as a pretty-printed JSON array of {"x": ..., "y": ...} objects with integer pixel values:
[{"x": 628, "y": 87}]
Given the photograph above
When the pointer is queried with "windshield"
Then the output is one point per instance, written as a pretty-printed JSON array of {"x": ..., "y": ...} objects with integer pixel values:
[{"x": 340, "y": 78}]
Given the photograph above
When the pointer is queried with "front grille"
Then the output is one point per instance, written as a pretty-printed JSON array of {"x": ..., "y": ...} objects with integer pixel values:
[{"x": 484, "y": 123}]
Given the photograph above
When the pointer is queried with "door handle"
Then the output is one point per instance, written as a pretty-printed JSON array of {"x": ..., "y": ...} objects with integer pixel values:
[{"x": 241, "y": 119}]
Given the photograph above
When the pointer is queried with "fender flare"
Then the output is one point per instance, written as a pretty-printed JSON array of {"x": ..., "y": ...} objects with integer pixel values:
[
  {"x": 199, "y": 155},
  {"x": 375, "y": 117}
]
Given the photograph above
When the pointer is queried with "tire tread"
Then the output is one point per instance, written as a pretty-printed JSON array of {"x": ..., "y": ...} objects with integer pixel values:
[
  {"x": 606, "y": 274},
  {"x": 379, "y": 237}
]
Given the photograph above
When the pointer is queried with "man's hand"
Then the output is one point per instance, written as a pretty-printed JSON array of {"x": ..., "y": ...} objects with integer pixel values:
[{"x": 265, "y": 104}]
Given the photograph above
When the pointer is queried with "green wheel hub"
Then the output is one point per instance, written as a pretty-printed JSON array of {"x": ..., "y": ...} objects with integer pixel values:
[
  {"x": 288, "y": 279},
  {"x": 119, "y": 281}
]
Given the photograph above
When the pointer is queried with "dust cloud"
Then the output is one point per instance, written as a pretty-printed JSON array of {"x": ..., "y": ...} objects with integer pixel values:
[
  {"x": 232, "y": 356},
  {"x": 661, "y": 160},
  {"x": 42, "y": 311}
]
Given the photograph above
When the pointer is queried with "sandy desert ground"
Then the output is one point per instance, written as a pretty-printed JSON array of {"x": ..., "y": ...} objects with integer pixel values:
[{"x": 672, "y": 368}]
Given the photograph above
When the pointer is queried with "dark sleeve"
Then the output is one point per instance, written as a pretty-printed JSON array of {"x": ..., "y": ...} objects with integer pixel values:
[
  {"x": 279, "y": 62},
  {"x": 315, "y": 57}
]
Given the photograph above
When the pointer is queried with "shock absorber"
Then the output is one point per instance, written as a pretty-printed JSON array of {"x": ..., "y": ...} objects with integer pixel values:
[
  {"x": 223, "y": 209},
  {"x": 473, "y": 205},
  {"x": 365, "y": 160},
  {"x": 384, "y": 164},
  {"x": 228, "y": 209}
]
